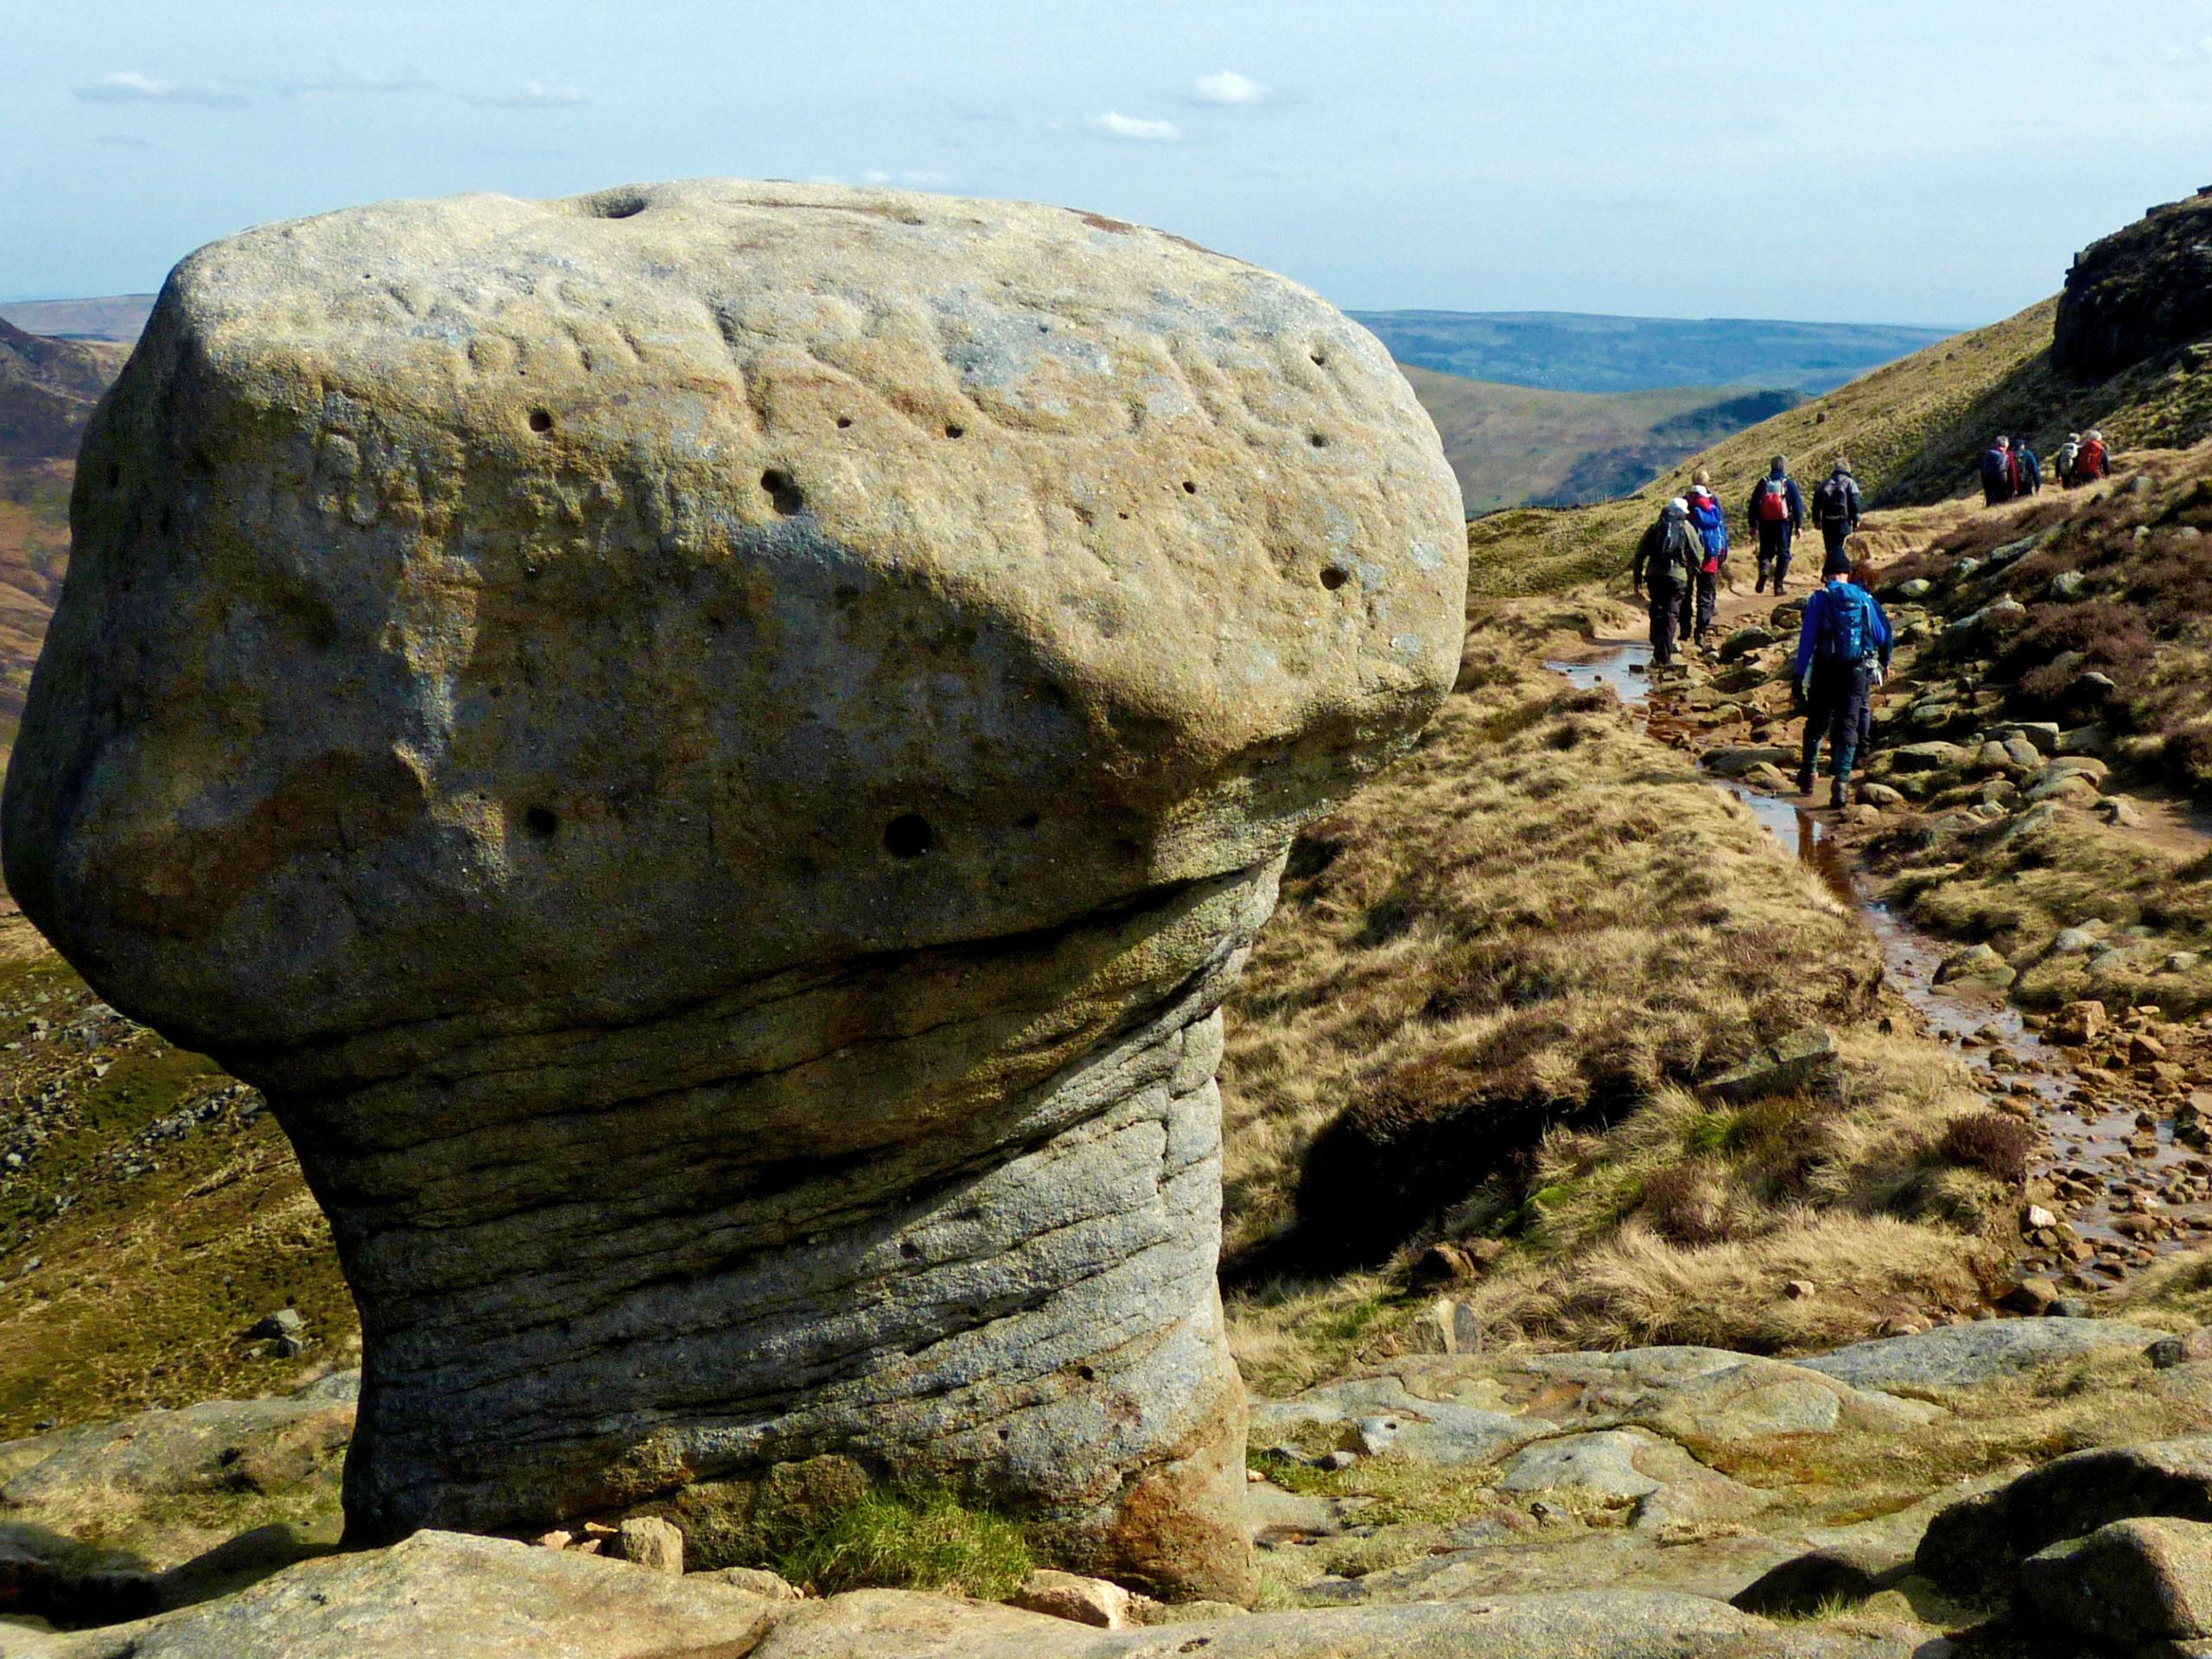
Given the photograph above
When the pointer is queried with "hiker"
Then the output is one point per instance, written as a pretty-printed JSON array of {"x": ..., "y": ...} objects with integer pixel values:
[
  {"x": 1711, "y": 526},
  {"x": 2026, "y": 469},
  {"x": 1776, "y": 516},
  {"x": 2068, "y": 453},
  {"x": 1998, "y": 475},
  {"x": 1837, "y": 506},
  {"x": 2095, "y": 461},
  {"x": 1843, "y": 653},
  {"x": 1666, "y": 563}
]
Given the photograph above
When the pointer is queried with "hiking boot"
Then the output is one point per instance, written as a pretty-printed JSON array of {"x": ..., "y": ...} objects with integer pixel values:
[
  {"x": 1804, "y": 780},
  {"x": 1759, "y": 586},
  {"x": 1837, "y": 796}
]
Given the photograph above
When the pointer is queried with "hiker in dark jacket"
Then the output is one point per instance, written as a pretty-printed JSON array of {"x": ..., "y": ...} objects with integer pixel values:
[
  {"x": 2027, "y": 469},
  {"x": 2069, "y": 451},
  {"x": 1837, "y": 507},
  {"x": 1843, "y": 652},
  {"x": 1999, "y": 478},
  {"x": 1776, "y": 516},
  {"x": 1666, "y": 567}
]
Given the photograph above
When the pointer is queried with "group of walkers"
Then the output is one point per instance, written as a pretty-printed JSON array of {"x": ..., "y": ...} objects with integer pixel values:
[
  {"x": 2010, "y": 469},
  {"x": 1683, "y": 561},
  {"x": 1844, "y": 641}
]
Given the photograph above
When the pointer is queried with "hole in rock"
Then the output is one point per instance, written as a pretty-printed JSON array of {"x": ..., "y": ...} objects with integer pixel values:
[
  {"x": 1086, "y": 1373},
  {"x": 1319, "y": 440},
  {"x": 783, "y": 492},
  {"x": 1335, "y": 577},
  {"x": 952, "y": 431},
  {"x": 540, "y": 822},
  {"x": 620, "y": 207},
  {"x": 908, "y": 1248},
  {"x": 541, "y": 420},
  {"x": 908, "y": 835},
  {"x": 1189, "y": 488},
  {"x": 1318, "y": 355},
  {"x": 844, "y": 421},
  {"x": 1027, "y": 821}
]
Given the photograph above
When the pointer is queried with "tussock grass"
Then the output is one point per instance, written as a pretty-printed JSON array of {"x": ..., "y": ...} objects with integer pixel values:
[
  {"x": 885, "y": 1540},
  {"x": 1495, "y": 980}
]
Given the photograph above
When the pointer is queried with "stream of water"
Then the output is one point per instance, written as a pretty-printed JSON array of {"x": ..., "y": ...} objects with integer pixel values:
[{"x": 2111, "y": 1169}]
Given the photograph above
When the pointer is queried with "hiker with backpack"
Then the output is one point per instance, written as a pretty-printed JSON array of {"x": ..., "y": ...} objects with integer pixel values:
[
  {"x": 1711, "y": 526},
  {"x": 1843, "y": 653},
  {"x": 2095, "y": 461},
  {"x": 2000, "y": 476},
  {"x": 1776, "y": 516},
  {"x": 1666, "y": 561},
  {"x": 1837, "y": 507},
  {"x": 2027, "y": 470},
  {"x": 2068, "y": 453}
]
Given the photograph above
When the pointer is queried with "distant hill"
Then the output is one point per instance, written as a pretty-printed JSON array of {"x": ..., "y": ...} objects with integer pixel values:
[
  {"x": 1565, "y": 351},
  {"x": 1913, "y": 429},
  {"x": 48, "y": 388},
  {"x": 117, "y": 317},
  {"x": 1514, "y": 445}
]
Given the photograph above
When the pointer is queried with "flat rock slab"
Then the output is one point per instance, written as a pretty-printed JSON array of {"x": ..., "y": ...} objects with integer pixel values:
[
  {"x": 441, "y": 1595},
  {"x": 1612, "y": 1624},
  {"x": 1431, "y": 1431},
  {"x": 1962, "y": 1356}
]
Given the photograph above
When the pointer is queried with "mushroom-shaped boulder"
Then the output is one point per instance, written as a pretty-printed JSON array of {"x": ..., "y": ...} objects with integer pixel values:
[{"x": 715, "y": 747}]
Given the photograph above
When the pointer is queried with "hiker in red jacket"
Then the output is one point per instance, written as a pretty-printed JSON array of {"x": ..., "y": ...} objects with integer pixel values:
[
  {"x": 2093, "y": 460},
  {"x": 1776, "y": 516}
]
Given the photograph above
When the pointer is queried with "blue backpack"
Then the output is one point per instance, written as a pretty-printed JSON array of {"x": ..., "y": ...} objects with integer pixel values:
[{"x": 1847, "y": 625}]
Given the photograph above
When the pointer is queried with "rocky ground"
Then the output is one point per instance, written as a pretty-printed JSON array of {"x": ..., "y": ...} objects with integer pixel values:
[{"x": 1979, "y": 1488}]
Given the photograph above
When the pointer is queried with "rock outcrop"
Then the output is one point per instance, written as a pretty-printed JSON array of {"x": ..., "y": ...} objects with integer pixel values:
[
  {"x": 2139, "y": 291},
  {"x": 714, "y": 748}
]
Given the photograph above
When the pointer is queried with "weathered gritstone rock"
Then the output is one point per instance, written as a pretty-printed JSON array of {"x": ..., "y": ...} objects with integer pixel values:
[{"x": 714, "y": 748}]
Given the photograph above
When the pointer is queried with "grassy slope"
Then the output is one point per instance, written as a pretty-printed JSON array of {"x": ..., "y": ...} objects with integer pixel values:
[
  {"x": 1515, "y": 444},
  {"x": 1490, "y": 976},
  {"x": 1912, "y": 432}
]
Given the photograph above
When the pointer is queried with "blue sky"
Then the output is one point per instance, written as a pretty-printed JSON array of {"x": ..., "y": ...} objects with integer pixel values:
[{"x": 1933, "y": 162}]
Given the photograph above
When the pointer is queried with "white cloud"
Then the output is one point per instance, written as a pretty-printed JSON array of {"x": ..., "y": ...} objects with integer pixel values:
[
  {"x": 531, "y": 95},
  {"x": 129, "y": 86},
  {"x": 1230, "y": 90},
  {"x": 1129, "y": 126}
]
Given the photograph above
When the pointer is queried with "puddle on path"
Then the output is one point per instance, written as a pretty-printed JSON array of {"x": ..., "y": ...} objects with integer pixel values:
[{"x": 2087, "y": 1148}]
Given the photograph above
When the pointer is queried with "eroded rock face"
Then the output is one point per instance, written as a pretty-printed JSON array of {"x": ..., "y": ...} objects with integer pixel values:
[{"x": 714, "y": 748}]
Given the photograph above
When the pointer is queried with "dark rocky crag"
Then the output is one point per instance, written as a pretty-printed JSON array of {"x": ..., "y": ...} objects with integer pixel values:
[
  {"x": 714, "y": 749},
  {"x": 2138, "y": 292}
]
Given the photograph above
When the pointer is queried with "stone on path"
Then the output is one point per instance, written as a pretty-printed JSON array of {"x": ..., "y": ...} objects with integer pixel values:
[
  {"x": 1085, "y": 1601},
  {"x": 647, "y": 1541},
  {"x": 714, "y": 748}
]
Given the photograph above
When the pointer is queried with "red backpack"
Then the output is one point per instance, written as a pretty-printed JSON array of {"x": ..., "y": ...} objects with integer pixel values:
[
  {"x": 1773, "y": 501},
  {"x": 2090, "y": 463}
]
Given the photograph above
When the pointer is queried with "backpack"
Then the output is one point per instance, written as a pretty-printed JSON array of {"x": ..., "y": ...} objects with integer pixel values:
[
  {"x": 1712, "y": 529},
  {"x": 1996, "y": 467},
  {"x": 1773, "y": 504},
  {"x": 1847, "y": 625},
  {"x": 2090, "y": 463},
  {"x": 2067, "y": 453},
  {"x": 1832, "y": 499},
  {"x": 2012, "y": 469}
]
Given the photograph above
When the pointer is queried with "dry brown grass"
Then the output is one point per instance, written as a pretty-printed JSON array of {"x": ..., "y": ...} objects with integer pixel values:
[{"x": 1482, "y": 1010}]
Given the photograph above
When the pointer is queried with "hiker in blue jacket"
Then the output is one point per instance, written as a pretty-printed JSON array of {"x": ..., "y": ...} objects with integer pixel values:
[
  {"x": 2029, "y": 467},
  {"x": 1776, "y": 516},
  {"x": 1843, "y": 652},
  {"x": 1711, "y": 525}
]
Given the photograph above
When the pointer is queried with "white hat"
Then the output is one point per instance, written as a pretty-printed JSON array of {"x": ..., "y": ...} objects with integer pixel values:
[{"x": 1678, "y": 505}]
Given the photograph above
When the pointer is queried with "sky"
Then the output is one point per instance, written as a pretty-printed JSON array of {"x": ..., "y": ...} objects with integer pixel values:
[{"x": 1927, "y": 162}]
